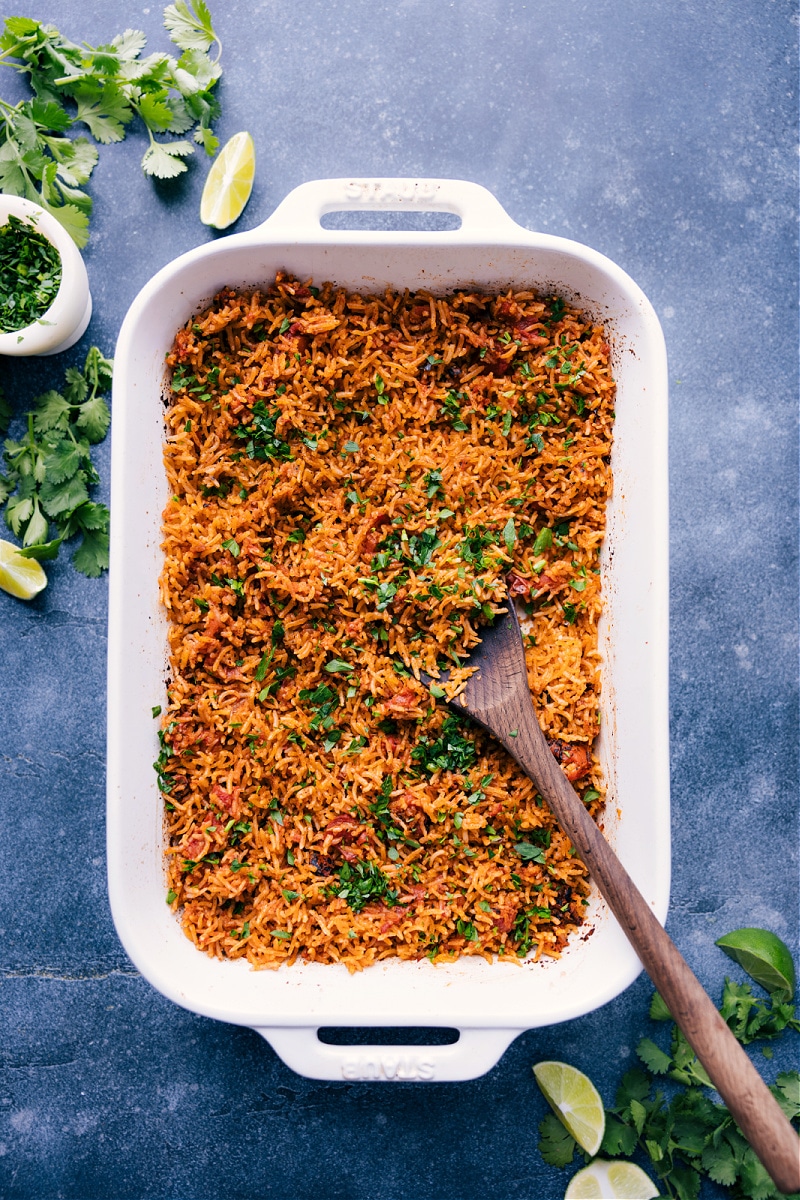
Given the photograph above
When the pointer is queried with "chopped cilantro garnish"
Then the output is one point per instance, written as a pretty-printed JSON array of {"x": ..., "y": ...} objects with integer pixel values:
[
  {"x": 338, "y": 666},
  {"x": 260, "y": 437},
  {"x": 30, "y": 274},
  {"x": 450, "y": 751},
  {"x": 361, "y": 883}
]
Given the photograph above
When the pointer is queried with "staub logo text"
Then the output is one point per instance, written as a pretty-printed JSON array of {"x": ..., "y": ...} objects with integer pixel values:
[
  {"x": 380, "y": 191},
  {"x": 388, "y": 1066}
]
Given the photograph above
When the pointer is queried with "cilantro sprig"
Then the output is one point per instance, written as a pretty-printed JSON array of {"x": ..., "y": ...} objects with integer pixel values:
[
  {"x": 106, "y": 88},
  {"x": 664, "y": 1111},
  {"x": 46, "y": 493}
]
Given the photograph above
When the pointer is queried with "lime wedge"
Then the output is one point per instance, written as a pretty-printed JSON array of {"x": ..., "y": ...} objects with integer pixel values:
[
  {"x": 763, "y": 956},
  {"x": 616, "y": 1180},
  {"x": 229, "y": 183},
  {"x": 22, "y": 577},
  {"x": 575, "y": 1101}
]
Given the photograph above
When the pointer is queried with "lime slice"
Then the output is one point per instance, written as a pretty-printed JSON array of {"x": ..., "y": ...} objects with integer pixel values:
[
  {"x": 763, "y": 956},
  {"x": 22, "y": 577},
  {"x": 616, "y": 1180},
  {"x": 575, "y": 1101},
  {"x": 229, "y": 183}
]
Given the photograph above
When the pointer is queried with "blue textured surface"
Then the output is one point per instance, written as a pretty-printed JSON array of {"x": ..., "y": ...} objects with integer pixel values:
[{"x": 664, "y": 136}]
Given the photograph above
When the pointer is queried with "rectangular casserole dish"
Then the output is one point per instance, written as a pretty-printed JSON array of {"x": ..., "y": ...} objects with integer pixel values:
[{"x": 489, "y": 1004}]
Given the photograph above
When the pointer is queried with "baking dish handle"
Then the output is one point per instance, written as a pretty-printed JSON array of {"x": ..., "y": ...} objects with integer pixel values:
[
  {"x": 480, "y": 212},
  {"x": 475, "y": 1053}
]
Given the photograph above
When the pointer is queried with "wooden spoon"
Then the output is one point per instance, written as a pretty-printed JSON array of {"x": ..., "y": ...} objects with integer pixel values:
[{"x": 497, "y": 696}]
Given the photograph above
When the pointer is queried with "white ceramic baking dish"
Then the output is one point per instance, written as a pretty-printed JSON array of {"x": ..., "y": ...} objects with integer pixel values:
[{"x": 489, "y": 1004}]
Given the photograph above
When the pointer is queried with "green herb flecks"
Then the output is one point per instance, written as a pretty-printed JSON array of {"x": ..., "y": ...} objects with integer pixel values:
[
  {"x": 165, "y": 780},
  {"x": 338, "y": 666},
  {"x": 529, "y": 853},
  {"x": 451, "y": 408},
  {"x": 544, "y": 540},
  {"x": 415, "y": 550},
  {"x": 450, "y": 751},
  {"x": 323, "y": 702},
  {"x": 472, "y": 549},
  {"x": 361, "y": 883},
  {"x": 433, "y": 484},
  {"x": 380, "y": 388},
  {"x": 260, "y": 437},
  {"x": 50, "y": 470},
  {"x": 385, "y": 825},
  {"x": 523, "y": 931},
  {"x": 279, "y": 675},
  {"x": 30, "y": 274},
  {"x": 104, "y": 88}
]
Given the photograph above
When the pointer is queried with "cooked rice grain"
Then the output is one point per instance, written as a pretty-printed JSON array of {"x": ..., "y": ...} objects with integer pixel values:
[{"x": 358, "y": 482}]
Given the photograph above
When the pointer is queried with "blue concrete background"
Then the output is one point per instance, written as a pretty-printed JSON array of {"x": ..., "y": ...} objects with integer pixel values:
[{"x": 663, "y": 136}]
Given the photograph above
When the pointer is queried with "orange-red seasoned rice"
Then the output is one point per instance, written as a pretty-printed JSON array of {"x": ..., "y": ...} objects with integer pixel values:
[{"x": 357, "y": 482}]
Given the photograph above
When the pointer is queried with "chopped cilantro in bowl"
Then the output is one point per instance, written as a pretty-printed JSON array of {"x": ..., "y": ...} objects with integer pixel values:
[{"x": 30, "y": 274}]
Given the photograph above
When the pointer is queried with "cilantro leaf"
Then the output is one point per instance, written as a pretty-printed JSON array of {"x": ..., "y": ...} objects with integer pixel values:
[
  {"x": 756, "y": 1182},
  {"x": 51, "y": 412},
  {"x": 719, "y": 1161},
  {"x": 18, "y": 512},
  {"x": 181, "y": 119},
  {"x": 15, "y": 28},
  {"x": 658, "y": 1009},
  {"x": 42, "y": 551},
  {"x": 91, "y": 516},
  {"x": 634, "y": 1085},
  {"x": 618, "y": 1138},
  {"x": 450, "y": 751},
  {"x": 187, "y": 29},
  {"x": 94, "y": 418},
  {"x": 63, "y": 461},
  {"x": 50, "y": 115},
  {"x": 195, "y": 75},
  {"x": 164, "y": 160},
  {"x": 653, "y": 1057},
  {"x": 59, "y": 499},
  {"x": 338, "y": 665},
  {"x": 107, "y": 115},
  {"x": 208, "y": 140},
  {"x": 556, "y": 1146},
  {"x": 91, "y": 556},
  {"x": 129, "y": 44},
  {"x": 76, "y": 386},
  {"x": 686, "y": 1182},
  {"x": 155, "y": 113},
  {"x": 38, "y": 527},
  {"x": 686, "y": 1067},
  {"x": 74, "y": 221},
  {"x": 529, "y": 853},
  {"x": 787, "y": 1093},
  {"x": 76, "y": 158}
]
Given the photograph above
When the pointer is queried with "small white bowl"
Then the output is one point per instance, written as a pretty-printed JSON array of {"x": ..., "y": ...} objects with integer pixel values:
[{"x": 68, "y": 315}]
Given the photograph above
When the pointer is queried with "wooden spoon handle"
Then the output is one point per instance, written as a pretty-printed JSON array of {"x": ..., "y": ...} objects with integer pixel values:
[{"x": 754, "y": 1108}]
